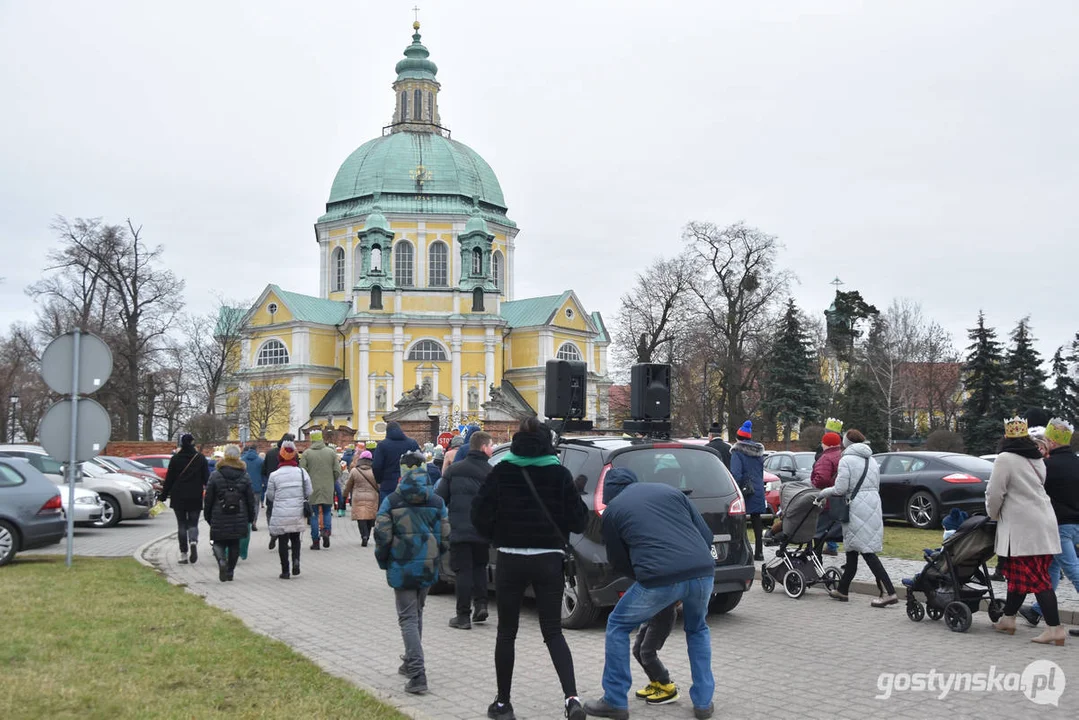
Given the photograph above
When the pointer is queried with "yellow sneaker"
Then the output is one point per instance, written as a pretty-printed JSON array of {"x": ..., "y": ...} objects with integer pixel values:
[
  {"x": 648, "y": 690},
  {"x": 663, "y": 694}
]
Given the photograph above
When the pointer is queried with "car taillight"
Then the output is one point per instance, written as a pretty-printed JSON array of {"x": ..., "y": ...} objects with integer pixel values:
[
  {"x": 961, "y": 478},
  {"x": 597, "y": 498},
  {"x": 737, "y": 506},
  {"x": 51, "y": 505}
]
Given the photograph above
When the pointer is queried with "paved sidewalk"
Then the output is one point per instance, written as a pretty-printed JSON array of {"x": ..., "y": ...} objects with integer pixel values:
[
  {"x": 119, "y": 541},
  {"x": 773, "y": 656}
]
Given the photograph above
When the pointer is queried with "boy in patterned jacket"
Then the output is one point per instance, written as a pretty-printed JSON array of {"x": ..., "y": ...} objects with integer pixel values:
[{"x": 412, "y": 532}]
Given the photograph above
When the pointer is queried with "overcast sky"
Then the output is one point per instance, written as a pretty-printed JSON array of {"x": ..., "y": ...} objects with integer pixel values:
[{"x": 918, "y": 149}]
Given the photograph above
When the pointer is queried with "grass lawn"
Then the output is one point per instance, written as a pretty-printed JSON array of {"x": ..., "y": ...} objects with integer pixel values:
[
  {"x": 903, "y": 541},
  {"x": 112, "y": 639}
]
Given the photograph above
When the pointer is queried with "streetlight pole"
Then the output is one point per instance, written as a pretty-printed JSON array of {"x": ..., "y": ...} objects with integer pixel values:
[{"x": 13, "y": 401}]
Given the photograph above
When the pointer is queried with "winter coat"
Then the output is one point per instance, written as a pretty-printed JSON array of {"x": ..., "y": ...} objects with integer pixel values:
[
  {"x": 747, "y": 467},
  {"x": 287, "y": 489},
  {"x": 1062, "y": 485},
  {"x": 865, "y": 531},
  {"x": 254, "y": 469},
  {"x": 272, "y": 460},
  {"x": 363, "y": 489},
  {"x": 185, "y": 479},
  {"x": 229, "y": 483},
  {"x": 653, "y": 533},
  {"x": 459, "y": 487},
  {"x": 322, "y": 463},
  {"x": 722, "y": 447},
  {"x": 1015, "y": 497},
  {"x": 387, "y": 458},
  {"x": 412, "y": 531},
  {"x": 824, "y": 471}
]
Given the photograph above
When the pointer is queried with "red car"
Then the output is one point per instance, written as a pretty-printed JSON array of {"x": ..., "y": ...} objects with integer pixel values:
[
  {"x": 158, "y": 463},
  {"x": 771, "y": 491}
]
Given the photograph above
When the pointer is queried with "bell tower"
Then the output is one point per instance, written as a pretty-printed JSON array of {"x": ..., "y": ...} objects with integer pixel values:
[{"x": 416, "y": 90}]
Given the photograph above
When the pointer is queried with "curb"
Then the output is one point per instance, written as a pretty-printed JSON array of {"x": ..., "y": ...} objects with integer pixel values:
[{"x": 140, "y": 551}]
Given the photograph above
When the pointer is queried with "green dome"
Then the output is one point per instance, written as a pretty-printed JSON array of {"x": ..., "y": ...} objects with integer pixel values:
[
  {"x": 388, "y": 165},
  {"x": 376, "y": 220},
  {"x": 476, "y": 223},
  {"x": 415, "y": 65}
]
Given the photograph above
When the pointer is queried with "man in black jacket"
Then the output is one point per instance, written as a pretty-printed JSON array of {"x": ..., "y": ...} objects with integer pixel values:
[
  {"x": 468, "y": 549},
  {"x": 654, "y": 534},
  {"x": 717, "y": 443}
]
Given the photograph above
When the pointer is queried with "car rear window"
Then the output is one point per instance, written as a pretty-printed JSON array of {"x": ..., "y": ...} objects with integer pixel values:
[
  {"x": 699, "y": 472},
  {"x": 49, "y": 466},
  {"x": 804, "y": 460},
  {"x": 969, "y": 463}
]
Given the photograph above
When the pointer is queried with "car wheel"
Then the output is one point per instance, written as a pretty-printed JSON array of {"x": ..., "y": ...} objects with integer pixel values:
[
  {"x": 577, "y": 609},
  {"x": 923, "y": 511},
  {"x": 110, "y": 513},
  {"x": 725, "y": 602},
  {"x": 9, "y": 543}
]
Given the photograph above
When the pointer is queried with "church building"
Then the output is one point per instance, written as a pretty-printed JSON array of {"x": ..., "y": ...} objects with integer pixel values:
[{"x": 416, "y": 318}]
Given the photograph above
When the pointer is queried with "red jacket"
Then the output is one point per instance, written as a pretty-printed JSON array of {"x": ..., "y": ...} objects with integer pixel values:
[{"x": 826, "y": 467}]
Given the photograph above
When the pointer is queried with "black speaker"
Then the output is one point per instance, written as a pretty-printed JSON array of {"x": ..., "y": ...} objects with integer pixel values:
[
  {"x": 650, "y": 391},
  {"x": 565, "y": 389}
]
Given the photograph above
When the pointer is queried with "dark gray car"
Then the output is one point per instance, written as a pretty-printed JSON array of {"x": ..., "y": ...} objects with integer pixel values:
[{"x": 31, "y": 513}]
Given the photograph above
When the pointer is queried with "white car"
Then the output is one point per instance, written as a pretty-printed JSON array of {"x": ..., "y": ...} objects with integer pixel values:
[{"x": 88, "y": 505}]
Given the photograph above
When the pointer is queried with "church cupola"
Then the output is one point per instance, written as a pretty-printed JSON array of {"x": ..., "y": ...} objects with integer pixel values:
[
  {"x": 476, "y": 244},
  {"x": 416, "y": 90},
  {"x": 375, "y": 249}
]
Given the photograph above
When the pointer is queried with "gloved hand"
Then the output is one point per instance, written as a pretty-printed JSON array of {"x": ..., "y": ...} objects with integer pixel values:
[
  {"x": 162, "y": 498},
  {"x": 747, "y": 491}
]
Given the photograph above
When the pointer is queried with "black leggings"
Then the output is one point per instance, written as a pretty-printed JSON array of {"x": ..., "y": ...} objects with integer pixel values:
[
  {"x": 851, "y": 568},
  {"x": 365, "y": 528},
  {"x": 513, "y": 574},
  {"x": 1047, "y": 599},
  {"x": 283, "y": 542},
  {"x": 758, "y": 533}
]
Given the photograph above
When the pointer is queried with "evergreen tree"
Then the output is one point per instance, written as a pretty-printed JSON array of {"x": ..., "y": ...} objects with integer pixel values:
[
  {"x": 792, "y": 385},
  {"x": 1064, "y": 395},
  {"x": 1024, "y": 373},
  {"x": 985, "y": 405}
]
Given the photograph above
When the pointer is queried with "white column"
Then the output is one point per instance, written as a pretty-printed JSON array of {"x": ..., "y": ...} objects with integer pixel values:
[
  {"x": 590, "y": 355},
  {"x": 488, "y": 364},
  {"x": 419, "y": 375},
  {"x": 434, "y": 382},
  {"x": 371, "y": 382},
  {"x": 455, "y": 372},
  {"x": 350, "y": 279},
  {"x": 323, "y": 265},
  {"x": 420, "y": 266},
  {"x": 398, "y": 362},
  {"x": 464, "y": 394},
  {"x": 362, "y": 381}
]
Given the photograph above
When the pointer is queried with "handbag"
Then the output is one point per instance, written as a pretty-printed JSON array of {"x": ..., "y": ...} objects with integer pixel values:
[
  {"x": 306, "y": 505},
  {"x": 844, "y": 514},
  {"x": 569, "y": 559}
]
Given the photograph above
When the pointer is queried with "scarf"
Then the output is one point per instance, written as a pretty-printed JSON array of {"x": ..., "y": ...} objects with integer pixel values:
[
  {"x": 527, "y": 461},
  {"x": 1024, "y": 447}
]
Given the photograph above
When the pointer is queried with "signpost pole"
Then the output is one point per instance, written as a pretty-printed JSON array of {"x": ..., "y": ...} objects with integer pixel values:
[{"x": 72, "y": 466}]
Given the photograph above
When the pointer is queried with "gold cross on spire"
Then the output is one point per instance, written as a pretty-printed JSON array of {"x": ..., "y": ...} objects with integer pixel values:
[{"x": 416, "y": 10}]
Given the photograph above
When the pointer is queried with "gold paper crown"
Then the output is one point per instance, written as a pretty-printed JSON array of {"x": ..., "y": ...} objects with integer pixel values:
[
  {"x": 834, "y": 425},
  {"x": 1015, "y": 427},
  {"x": 1059, "y": 431}
]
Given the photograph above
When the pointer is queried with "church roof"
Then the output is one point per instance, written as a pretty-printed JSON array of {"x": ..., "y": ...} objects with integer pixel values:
[
  {"x": 306, "y": 308},
  {"x": 337, "y": 402},
  {"x": 597, "y": 320},
  {"x": 532, "y": 312}
]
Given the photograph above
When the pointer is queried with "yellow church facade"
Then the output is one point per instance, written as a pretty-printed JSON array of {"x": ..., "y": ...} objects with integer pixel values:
[{"x": 416, "y": 317}]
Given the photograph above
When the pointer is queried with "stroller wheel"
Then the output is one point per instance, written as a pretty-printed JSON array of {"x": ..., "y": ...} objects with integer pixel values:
[
  {"x": 794, "y": 584},
  {"x": 934, "y": 613},
  {"x": 915, "y": 610},
  {"x": 831, "y": 578},
  {"x": 996, "y": 610},
  {"x": 957, "y": 616},
  {"x": 768, "y": 583}
]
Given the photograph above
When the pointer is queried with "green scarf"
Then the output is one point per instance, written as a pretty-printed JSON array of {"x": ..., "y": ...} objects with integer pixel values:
[{"x": 524, "y": 461}]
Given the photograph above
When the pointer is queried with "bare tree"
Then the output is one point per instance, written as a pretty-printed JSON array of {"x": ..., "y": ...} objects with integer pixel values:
[
  {"x": 214, "y": 342},
  {"x": 740, "y": 293},
  {"x": 263, "y": 402},
  {"x": 895, "y": 340},
  {"x": 207, "y": 429},
  {"x": 655, "y": 314},
  {"x": 175, "y": 391}
]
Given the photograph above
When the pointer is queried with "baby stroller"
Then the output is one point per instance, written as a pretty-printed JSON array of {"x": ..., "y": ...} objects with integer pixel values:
[
  {"x": 798, "y": 567},
  {"x": 955, "y": 579}
]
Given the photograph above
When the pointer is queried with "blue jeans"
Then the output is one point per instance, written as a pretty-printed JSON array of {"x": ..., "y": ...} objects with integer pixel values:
[
  {"x": 1067, "y": 561},
  {"x": 327, "y": 519},
  {"x": 639, "y": 605}
]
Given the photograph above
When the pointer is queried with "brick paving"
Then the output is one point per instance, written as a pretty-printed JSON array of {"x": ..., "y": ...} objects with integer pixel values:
[
  {"x": 119, "y": 541},
  {"x": 772, "y": 656}
]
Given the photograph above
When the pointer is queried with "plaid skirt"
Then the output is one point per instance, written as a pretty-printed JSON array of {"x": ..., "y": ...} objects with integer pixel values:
[{"x": 1027, "y": 574}]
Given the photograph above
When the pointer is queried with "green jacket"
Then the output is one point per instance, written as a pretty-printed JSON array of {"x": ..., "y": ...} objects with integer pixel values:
[{"x": 323, "y": 465}]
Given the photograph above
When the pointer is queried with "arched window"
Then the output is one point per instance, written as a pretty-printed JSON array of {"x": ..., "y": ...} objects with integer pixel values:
[
  {"x": 477, "y": 299},
  {"x": 477, "y": 261},
  {"x": 376, "y": 259},
  {"x": 404, "y": 105},
  {"x": 427, "y": 350},
  {"x": 438, "y": 264},
  {"x": 376, "y": 298},
  {"x": 272, "y": 352},
  {"x": 338, "y": 269},
  {"x": 402, "y": 264},
  {"x": 568, "y": 351},
  {"x": 417, "y": 104},
  {"x": 498, "y": 269},
  {"x": 431, "y": 107}
]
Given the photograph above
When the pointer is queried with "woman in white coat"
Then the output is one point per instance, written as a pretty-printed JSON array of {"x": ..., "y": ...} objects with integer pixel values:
[
  {"x": 858, "y": 481},
  {"x": 1027, "y": 536},
  {"x": 288, "y": 489}
]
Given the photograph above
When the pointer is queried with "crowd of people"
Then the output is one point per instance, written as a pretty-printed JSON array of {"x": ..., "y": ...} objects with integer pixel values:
[{"x": 420, "y": 506}]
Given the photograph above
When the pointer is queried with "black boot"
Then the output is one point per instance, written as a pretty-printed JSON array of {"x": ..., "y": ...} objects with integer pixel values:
[
  {"x": 479, "y": 611},
  {"x": 461, "y": 622},
  {"x": 296, "y": 561},
  {"x": 222, "y": 563},
  {"x": 273, "y": 541}
]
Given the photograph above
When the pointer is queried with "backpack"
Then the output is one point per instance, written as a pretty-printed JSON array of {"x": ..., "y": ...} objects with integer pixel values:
[{"x": 231, "y": 499}]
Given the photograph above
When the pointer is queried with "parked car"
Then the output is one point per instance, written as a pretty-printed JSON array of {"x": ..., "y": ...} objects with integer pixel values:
[
  {"x": 790, "y": 465},
  {"x": 694, "y": 469},
  {"x": 31, "y": 514},
  {"x": 127, "y": 466},
  {"x": 159, "y": 464},
  {"x": 89, "y": 507},
  {"x": 920, "y": 487},
  {"x": 125, "y": 497},
  {"x": 771, "y": 491}
]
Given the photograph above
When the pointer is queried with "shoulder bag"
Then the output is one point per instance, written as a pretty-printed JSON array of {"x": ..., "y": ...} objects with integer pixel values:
[
  {"x": 569, "y": 560},
  {"x": 844, "y": 514},
  {"x": 306, "y": 505}
]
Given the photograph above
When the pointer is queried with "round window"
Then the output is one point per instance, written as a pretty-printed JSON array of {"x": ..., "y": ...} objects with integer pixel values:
[
  {"x": 569, "y": 313},
  {"x": 272, "y": 308}
]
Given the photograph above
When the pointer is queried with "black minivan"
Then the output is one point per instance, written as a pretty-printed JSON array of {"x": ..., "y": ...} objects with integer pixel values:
[{"x": 696, "y": 470}]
